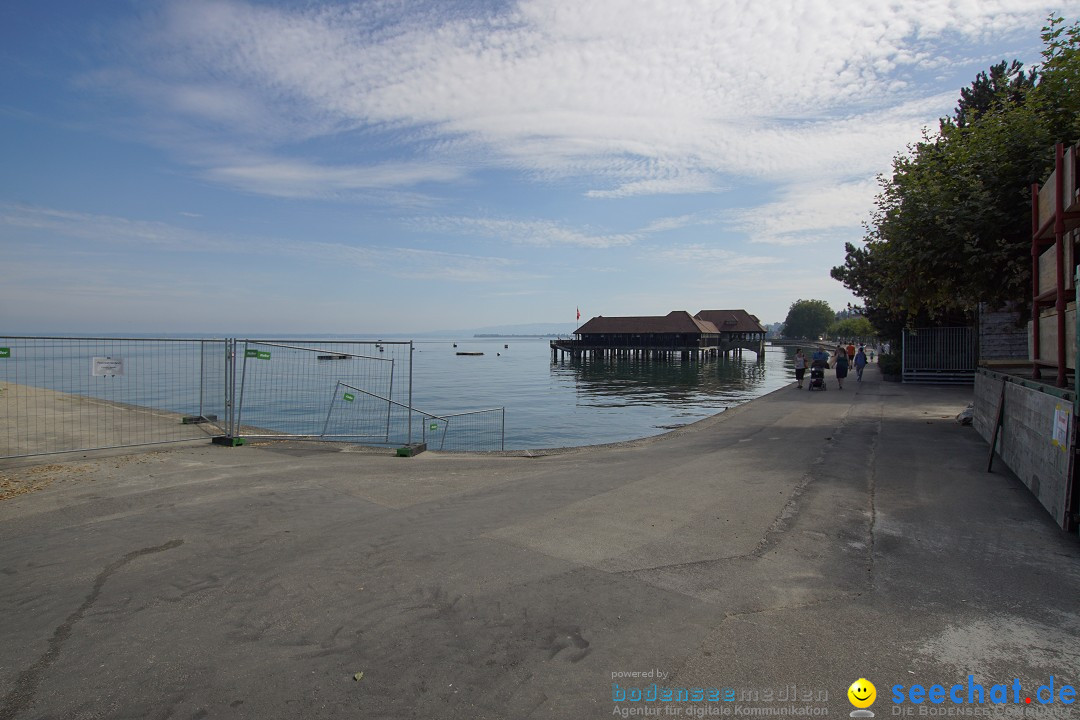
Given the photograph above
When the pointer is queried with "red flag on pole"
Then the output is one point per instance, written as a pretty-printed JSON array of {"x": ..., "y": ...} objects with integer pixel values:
[{"x": 579, "y": 313}]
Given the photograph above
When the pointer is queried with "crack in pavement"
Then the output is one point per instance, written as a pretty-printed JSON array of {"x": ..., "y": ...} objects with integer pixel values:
[
  {"x": 872, "y": 497},
  {"x": 22, "y": 694},
  {"x": 786, "y": 514}
]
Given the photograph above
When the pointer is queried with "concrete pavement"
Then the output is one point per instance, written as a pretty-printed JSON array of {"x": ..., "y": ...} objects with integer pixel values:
[{"x": 779, "y": 551}]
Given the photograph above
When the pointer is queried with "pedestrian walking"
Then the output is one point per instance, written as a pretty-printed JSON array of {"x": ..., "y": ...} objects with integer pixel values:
[
  {"x": 841, "y": 365},
  {"x": 860, "y": 363},
  {"x": 819, "y": 363},
  {"x": 800, "y": 366}
]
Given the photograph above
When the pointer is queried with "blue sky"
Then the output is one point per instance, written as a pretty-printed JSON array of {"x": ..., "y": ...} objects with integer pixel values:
[{"x": 406, "y": 166}]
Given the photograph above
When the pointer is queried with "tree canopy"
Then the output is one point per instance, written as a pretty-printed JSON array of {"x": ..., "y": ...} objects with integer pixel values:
[
  {"x": 808, "y": 319},
  {"x": 853, "y": 328},
  {"x": 951, "y": 226},
  {"x": 1004, "y": 83}
]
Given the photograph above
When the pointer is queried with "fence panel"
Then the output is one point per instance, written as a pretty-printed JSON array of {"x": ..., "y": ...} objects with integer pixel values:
[
  {"x": 476, "y": 431},
  {"x": 940, "y": 355},
  {"x": 309, "y": 389},
  {"x": 65, "y": 394},
  {"x": 480, "y": 430}
]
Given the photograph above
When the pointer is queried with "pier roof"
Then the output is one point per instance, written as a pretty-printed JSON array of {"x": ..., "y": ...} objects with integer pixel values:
[
  {"x": 732, "y": 320},
  {"x": 676, "y": 321}
]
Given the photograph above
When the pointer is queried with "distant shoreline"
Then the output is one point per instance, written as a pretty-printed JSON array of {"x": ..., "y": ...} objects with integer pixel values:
[{"x": 496, "y": 335}]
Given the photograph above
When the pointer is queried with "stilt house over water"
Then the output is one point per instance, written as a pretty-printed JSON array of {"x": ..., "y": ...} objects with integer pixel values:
[
  {"x": 736, "y": 326},
  {"x": 707, "y": 334}
]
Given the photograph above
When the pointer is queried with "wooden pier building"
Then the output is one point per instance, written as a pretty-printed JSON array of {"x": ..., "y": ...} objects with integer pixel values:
[
  {"x": 707, "y": 334},
  {"x": 739, "y": 330}
]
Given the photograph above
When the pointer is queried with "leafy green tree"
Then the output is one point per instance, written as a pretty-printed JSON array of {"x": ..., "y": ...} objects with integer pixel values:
[
  {"x": 1004, "y": 83},
  {"x": 808, "y": 319},
  {"x": 951, "y": 226},
  {"x": 1057, "y": 96},
  {"x": 853, "y": 328}
]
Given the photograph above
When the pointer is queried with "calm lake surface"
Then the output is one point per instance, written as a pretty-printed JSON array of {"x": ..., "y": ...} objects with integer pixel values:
[
  {"x": 570, "y": 403},
  {"x": 547, "y": 403}
]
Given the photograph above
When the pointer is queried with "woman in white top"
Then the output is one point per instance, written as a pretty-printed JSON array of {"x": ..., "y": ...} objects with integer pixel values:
[{"x": 800, "y": 366}]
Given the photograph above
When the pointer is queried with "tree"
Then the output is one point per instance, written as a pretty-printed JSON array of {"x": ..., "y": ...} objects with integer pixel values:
[
  {"x": 808, "y": 319},
  {"x": 853, "y": 328},
  {"x": 1056, "y": 96},
  {"x": 1005, "y": 83},
  {"x": 951, "y": 226}
]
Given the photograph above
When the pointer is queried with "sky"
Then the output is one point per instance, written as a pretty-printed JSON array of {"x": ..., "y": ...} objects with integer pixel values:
[{"x": 227, "y": 166}]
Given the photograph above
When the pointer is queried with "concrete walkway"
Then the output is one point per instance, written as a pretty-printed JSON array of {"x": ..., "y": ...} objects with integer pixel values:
[{"x": 805, "y": 539}]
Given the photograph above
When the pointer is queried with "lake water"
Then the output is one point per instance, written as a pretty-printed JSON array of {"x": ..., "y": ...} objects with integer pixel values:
[
  {"x": 547, "y": 403},
  {"x": 564, "y": 403}
]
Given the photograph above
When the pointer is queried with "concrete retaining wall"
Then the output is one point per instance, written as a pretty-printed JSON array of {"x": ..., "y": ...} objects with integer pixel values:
[{"x": 1026, "y": 439}]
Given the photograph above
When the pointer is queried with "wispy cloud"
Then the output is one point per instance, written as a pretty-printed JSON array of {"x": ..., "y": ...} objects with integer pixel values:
[
  {"x": 687, "y": 184},
  {"x": 103, "y": 232},
  {"x": 648, "y": 139},
  {"x": 666, "y": 224},
  {"x": 102, "y": 228},
  {"x": 522, "y": 232},
  {"x": 653, "y": 98},
  {"x": 699, "y": 254},
  {"x": 294, "y": 179},
  {"x": 807, "y": 215}
]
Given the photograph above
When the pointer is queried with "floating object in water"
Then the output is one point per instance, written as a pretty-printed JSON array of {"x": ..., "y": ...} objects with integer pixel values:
[
  {"x": 332, "y": 357},
  {"x": 469, "y": 353},
  {"x": 505, "y": 347}
]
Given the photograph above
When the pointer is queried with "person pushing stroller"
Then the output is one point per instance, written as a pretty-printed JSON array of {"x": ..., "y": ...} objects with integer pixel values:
[{"x": 819, "y": 362}]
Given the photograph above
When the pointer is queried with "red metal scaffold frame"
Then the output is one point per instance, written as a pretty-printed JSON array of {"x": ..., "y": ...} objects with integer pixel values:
[{"x": 1051, "y": 231}]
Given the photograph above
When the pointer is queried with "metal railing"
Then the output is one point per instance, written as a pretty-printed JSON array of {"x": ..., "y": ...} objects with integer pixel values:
[{"x": 939, "y": 355}]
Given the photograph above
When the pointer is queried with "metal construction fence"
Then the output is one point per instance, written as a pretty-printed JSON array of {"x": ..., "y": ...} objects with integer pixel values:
[
  {"x": 478, "y": 430},
  {"x": 475, "y": 431},
  {"x": 68, "y": 394},
  {"x": 940, "y": 355},
  {"x": 290, "y": 388}
]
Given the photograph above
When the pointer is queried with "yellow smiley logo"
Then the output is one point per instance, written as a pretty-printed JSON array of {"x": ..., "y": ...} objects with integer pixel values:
[{"x": 862, "y": 693}]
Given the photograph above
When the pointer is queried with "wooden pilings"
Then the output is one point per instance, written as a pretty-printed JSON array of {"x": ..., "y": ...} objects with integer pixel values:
[{"x": 576, "y": 350}]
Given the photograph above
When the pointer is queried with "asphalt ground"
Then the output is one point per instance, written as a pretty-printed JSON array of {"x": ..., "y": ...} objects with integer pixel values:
[{"x": 769, "y": 556}]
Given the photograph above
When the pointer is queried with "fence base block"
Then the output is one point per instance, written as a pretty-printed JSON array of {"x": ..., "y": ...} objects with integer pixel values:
[
  {"x": 410, "y": 450},
  {"x": 229, "y": 441}
]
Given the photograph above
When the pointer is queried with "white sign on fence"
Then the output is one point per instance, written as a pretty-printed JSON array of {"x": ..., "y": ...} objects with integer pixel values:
[{"x": 107, "y": 366}]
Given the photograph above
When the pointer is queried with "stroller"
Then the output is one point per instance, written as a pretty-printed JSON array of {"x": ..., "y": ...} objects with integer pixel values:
[{"x": 817, "y": 377}]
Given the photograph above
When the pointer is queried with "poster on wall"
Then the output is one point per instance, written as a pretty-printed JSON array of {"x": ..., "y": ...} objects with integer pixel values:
[{"x": 1061, "y": 427}]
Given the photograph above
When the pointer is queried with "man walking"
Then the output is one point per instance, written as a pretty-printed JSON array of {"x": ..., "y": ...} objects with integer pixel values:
[{"x": 860, "y": 362}]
